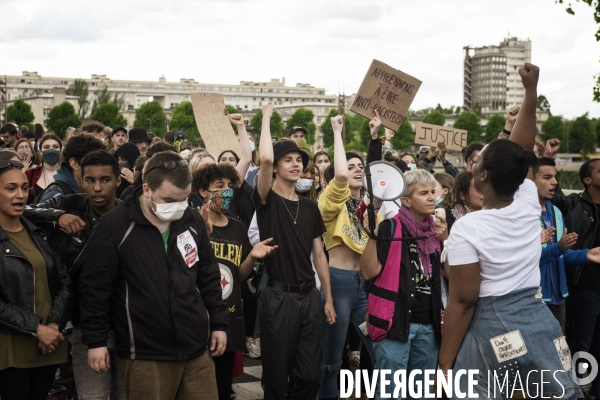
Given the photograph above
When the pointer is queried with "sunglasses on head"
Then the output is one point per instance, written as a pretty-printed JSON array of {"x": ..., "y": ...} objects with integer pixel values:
[
  {"x": 11, "y": 163},
  {"x": 170, "y": 165}
]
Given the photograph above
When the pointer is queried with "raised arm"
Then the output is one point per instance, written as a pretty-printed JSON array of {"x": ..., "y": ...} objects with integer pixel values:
[
  {"x": 339, "y": 153},
  {"x": 524, "y": 130},
  {"x": 266, "y": 155},
  {"x": 511, "y": 118},
  {"x": 245, "y": 153},
  {"x": 375, "y": 144}
]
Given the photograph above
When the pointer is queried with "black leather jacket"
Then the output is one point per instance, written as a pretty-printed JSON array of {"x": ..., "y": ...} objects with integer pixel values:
[
  {"x": 581, "y": 216},
  {"x": 17, "y": 313}
]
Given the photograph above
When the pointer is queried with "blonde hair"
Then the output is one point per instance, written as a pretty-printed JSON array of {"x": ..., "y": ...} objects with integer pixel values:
[{"x": 196, "y": 157}]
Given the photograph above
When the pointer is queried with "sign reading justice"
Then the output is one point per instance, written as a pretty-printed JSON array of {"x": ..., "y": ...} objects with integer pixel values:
[
  {"x": 387, "y": 90},
  {"x": 430, "y": 135},
  {"x": 213, "y": 125}
]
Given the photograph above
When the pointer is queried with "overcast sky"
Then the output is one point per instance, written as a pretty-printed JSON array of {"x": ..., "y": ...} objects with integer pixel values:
[{"x": 328, "y": 44}]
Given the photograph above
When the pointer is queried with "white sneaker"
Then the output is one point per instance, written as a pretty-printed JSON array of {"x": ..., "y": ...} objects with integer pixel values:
[
  {"x": 254, "y": 349},
  {"x": 354, "y": 358}
]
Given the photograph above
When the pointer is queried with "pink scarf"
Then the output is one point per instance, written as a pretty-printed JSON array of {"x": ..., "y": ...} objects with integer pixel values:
[{"x": 426, "y": 247}]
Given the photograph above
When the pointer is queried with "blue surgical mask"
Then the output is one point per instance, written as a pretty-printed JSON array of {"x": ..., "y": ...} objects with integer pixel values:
[
  {"x": 438, "y": 201},
  {"x": 304, "y": 185},
  {"x": 412, "y": 167}
]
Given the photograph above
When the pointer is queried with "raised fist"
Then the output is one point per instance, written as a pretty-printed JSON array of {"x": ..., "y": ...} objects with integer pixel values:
[{"x": 529, "y": 76}]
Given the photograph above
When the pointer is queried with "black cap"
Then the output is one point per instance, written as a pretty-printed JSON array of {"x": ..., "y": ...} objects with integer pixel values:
[
  {"x": 28, "y": 135},
  {"x": 119, "y": 128},
  {"x": 137, "y": 135},
  {"x": 284, "y": 147},
  {"x": 296, "y": 129},
  {"x": 177, "y": 134}
]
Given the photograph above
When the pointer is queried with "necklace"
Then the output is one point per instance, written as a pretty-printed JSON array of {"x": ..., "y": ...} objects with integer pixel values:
[{"x": 289, "y": 212}]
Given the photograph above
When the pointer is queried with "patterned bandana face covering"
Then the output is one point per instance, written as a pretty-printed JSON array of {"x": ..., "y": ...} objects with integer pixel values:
[{"x": 221, "y": 199}]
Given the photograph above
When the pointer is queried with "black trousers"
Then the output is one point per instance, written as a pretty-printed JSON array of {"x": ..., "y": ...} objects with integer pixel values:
[
  {"x": 26, "y": 383},
  {"x": 224, "y": 373},
  {"x": 290, "y": 330}
]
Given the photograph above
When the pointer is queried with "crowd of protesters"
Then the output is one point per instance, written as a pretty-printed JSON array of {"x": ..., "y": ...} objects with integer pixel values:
[{"x": 151, "y": 267}]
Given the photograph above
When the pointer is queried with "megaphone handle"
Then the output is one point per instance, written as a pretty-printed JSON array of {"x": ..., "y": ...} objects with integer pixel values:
[{"x": 370, "y": 207}]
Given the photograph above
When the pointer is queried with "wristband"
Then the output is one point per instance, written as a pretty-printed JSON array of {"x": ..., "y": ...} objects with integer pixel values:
[{"x": 506, "y": 131}]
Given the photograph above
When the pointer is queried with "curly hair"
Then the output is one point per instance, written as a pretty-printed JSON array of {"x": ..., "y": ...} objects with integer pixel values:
[
  {"x": 203, "y": 177},
  {"x": 79, "y": 146},
  {"x": 91, "y": 127}
]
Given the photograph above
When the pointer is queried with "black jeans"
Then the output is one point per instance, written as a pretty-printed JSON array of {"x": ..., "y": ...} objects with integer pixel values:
[
  {"x": 290, "y": 330},
  {"x": 224, "y": 373},
  {"x": 584, "y": 324},
  {"x": 26, "y": 383}
]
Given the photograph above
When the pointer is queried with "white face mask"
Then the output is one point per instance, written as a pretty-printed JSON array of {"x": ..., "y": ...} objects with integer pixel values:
[
  {"x": 169, "y": 211},
  {"x": 304, "y": 185},
  {"x": 252, "y": 146}
]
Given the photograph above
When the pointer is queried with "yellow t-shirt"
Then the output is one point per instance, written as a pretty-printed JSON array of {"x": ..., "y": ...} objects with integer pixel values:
[
  {"x": 21, "y": 350},
  {"x": 340, "y": 226}
]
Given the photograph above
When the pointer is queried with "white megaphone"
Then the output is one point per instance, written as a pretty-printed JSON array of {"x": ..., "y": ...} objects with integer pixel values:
[{"x": 386, "y": 179}]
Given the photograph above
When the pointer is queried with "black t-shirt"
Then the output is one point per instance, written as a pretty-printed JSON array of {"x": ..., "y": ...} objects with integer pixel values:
[
  {"x": 590, "y": 274},
  {"x": 242, "y": 206},
  {"x": 291, "y": 262},
  {"x": 231, "y": 247},
  {"x": 421, "y": 311}
]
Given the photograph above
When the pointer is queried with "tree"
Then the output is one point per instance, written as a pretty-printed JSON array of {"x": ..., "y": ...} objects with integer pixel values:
[
  {"x": 104, "y": 97},
  {"x": 20, "y": 112},
  {"x": 404, "y": 137},
  {"x": 543, "y": 104},
  {"x": 109, "y": 115},
  {"x": 80, "y": 88},
  {"x": 470, "y": 121},
  {"x": 276, "y": 124},
  {"x": 494, "y": 126},
  {"x": 327, "y": 130},
  {"x": 582, "y": 135},
  {"x": 436, "y": 117},
  {"x": 304, "y": 118},
  {"x": 554, "y": 128},
  {"x": 182, "y": 119},
  {"x": 61, "y": 117},
  {"x": 151, "y": 117}
]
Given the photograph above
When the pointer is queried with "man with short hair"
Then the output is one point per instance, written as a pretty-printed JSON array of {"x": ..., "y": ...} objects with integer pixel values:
[
  {"x": 150, "y": 272},
  {"x": 556, "y": 252},
  {"x": 75, "y": 215},
  {"x": 581, "y": 213},
  {"x": 297, "y": 132},
  {"x": 68, "y": 176},
  {"x": 291, "y": 310},
  {"x": 8, "y": 132},
  {"x": 118, "y": 137},
  {"x": 139, "y": 136},
  {"x": 471, "y": 154}
]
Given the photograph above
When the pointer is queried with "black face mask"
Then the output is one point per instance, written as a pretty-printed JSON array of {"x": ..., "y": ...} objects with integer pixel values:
[{"x": 123, "y": 164}]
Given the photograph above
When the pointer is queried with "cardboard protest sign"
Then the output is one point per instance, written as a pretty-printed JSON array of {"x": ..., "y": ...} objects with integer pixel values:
[
  {"x": 430, "y": 135},
  {"x": 213, "y": 125},
  {"x": 387, "y": 90}
]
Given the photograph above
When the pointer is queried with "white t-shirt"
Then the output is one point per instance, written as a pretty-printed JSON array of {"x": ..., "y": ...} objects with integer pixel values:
[{"x": 505, "y": 242}]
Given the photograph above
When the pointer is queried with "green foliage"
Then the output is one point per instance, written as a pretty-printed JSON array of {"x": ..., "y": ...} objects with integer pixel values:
[
  {"x": 542, "y": 103},
  {"x": 304, "y": 118},
  {"x": 404, "y": 137},
  {"x": 582, "y": 135},
  {"x": 182, "y": 119},
  {"x": 365, "y": 132},
  {"x": 436, "y": 117},
  {"x": 554, "y": 128},
  {"x": 470, "y": 122},
  {"x": 327, "y": 130},
  {"x": 80, "y": 88},
  {"x": 276, "y": 124},
  {"x": 104, "y": 97},
  {"x": 494, "y": 127},
  {"x": 151, "y": 117},
  {"x": 61, "y": 117},
  {"x": 109, "y": 115},
  {"x": 438, "y": 108},
  {"x": 20, "y": 112}
]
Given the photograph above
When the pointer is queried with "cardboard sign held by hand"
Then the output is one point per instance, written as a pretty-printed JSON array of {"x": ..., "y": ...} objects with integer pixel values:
[
  {"x": 387, "y": 90},
  {"x": 431, "y": 135},
  {"x": 213, "y": 125}
]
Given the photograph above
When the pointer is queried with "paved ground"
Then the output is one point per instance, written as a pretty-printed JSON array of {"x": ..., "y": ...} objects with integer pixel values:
[{"x": 247, "y": 386}]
